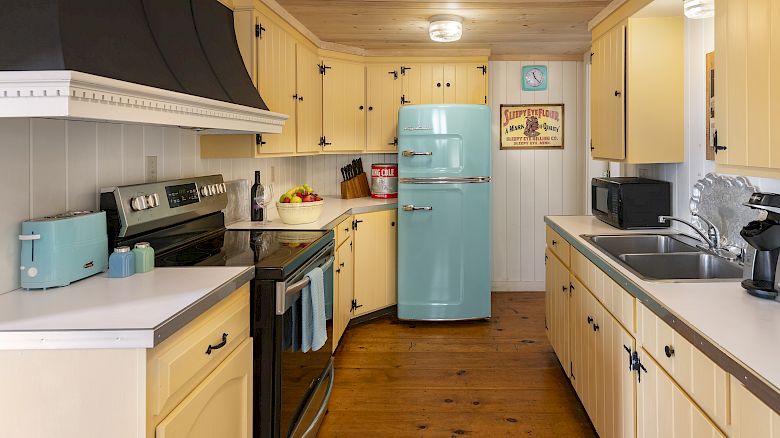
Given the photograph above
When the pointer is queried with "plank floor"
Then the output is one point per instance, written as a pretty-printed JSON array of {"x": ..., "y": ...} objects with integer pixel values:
[{"x": 497, "y": 378}]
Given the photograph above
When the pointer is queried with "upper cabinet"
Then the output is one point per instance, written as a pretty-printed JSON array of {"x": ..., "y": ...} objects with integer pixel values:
[
  {"x": 308, "y": 98},
  {"x": 637, "y": 96},
  {"x": 383, "y": 99},
  {"x": 442, "y": 83},
  {"x": 747, "y": 62}
]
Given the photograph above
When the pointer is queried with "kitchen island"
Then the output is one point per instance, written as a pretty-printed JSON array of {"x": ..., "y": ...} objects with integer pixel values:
[{"x": 684, "y": 327}]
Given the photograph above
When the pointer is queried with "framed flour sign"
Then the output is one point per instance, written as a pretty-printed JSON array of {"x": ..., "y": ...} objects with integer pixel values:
[{"x": 531, "y": 126}]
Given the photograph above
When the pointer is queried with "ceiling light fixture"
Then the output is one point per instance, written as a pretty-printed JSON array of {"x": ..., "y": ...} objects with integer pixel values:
[
  {"x": 445, "y": 28},
  {"x": 697, "y": 9}
]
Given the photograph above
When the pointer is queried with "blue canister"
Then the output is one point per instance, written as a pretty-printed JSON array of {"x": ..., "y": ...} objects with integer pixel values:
[{"x": 121, "y": 263}]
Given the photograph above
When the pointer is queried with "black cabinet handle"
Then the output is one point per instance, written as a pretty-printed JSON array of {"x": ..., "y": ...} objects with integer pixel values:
[
  {"x": 392, "y": 224},
  {"x": 448, "y": 84},
  {"x": 218, "y": 346},
  {"x": 341, "y": 264},
  {"x": 554, "y": 242},
  {"x": 617, "y": 93},
  {"x": 360, "y": 107},
  {"x": 564, "y": 288},
  {"x": 595, "y": 327},
  {"x": 590, "y": 320},
  {"x": 371, "y": 108},
  {"x": 669, "y": 351},
  {"x": 300, "y": 98},
  {"x": 438, "y": 84}
]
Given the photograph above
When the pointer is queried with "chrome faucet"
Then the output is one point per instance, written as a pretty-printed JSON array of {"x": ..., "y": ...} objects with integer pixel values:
[{"x": 712, "y": 238}]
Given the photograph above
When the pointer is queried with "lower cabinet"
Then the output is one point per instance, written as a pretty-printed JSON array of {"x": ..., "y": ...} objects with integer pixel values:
[
  {"x": 220, "y": 406},
  {"x": 375, "y": 261},
  {"x": 343, "y": 288},
  {"x": 635, "y": 375}
]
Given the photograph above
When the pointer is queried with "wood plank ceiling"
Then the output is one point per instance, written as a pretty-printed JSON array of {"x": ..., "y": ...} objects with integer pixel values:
[{"x": 508, "y": 27}]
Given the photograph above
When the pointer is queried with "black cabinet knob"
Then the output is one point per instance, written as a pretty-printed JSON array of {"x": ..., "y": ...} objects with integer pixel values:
[
  {"x": 448, "y": 84},
  {"x": 371, "y": 108},
  {"x": 595, "y": 327},
  {"x": 438, "y": 84},
  {"x": 669, "y": 351},
  {"x": 617, "y": 93},
  {"x": 590, "y": 319},
  {"x": 360, "y": 107}
]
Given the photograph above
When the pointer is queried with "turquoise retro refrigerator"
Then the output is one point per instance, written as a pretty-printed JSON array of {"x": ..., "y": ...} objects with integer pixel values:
[{"x": 444, "y": 212}]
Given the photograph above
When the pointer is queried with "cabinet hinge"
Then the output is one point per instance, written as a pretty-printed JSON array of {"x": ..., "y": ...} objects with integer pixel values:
[
  {"x": 403, "y": 70},
  {"x": 355, "y": 224},
  {"x": 483, "y": 68},
  {"x": 404, "y": 101},
  {"x": 394, "y": 73},
  {"x": 259, "y": 139},
  {"x": 635, "y": 363},
  {"x": 485, "y": 100},
  {"x": 323, "y": 68},
  {"x": 324, "y": 142},
  {"x": 259, "y": 29},
  {"x": 571, "y": 371},
  {"x": 355, "y": 305}
]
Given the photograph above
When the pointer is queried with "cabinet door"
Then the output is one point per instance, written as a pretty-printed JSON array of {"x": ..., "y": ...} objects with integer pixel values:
[
  {"x": 371, "y": 252},
  {"x": 471, "y": 83},
  {"x": 276, "y": 58},
  {"x": 664, "y": 410},
  {"x": 383, "y": 99},
  {"x": 391, "y": 227},
  {"x": 618, "y": 382},
  {"x": 549, "y": 280},
  {"x": 418, "y": 84},
  {"x": 608, "y": 95},
  {"x": 751, "y": 417},
  {"x": 309, "y": 106},
  {"x": 343, "y": 290},
  {"x": 447, "y": 88},
  {"x": 343, "y": 109},
  {"x": 220, "y": 406},
  {"x": 578, "y": 332}
]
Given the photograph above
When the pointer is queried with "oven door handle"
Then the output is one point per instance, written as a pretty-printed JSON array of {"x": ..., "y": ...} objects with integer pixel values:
[{"x": 300, "y": 284}]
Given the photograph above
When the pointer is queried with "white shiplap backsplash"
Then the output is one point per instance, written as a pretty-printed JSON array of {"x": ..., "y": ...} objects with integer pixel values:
[
  {"x": 50, "y": 166},
  {"x": 530, "y": 184}
]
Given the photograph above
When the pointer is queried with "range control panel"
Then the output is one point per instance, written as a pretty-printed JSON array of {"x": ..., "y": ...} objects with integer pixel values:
[{"x": 143, "y": 207}]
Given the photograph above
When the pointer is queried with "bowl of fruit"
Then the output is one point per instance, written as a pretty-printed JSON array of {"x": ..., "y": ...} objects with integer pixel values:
[{"x": 300, "y": 205}]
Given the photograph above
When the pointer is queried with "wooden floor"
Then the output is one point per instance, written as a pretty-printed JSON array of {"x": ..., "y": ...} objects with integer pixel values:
[{"x": 497, "y": 378}]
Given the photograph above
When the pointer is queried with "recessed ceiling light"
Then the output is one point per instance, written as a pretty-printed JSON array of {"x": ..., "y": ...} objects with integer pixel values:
[
  {"x": 699, "y": 8},
  {"x": 445, "y": 28}
]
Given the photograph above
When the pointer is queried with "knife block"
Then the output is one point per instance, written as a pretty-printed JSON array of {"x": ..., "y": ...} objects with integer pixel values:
[{"x": 356, "y": 187}]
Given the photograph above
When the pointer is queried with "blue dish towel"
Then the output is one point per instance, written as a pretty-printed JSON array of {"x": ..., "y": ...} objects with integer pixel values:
[{"x": 313, "y": 306}]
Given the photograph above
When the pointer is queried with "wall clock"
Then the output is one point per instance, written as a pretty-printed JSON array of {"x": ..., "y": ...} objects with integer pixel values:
[{"x": 534, "y": 78}]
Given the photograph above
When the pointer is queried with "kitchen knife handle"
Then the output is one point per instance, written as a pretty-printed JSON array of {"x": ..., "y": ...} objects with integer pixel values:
[
  {"x": 410, "y": 207},
  {"x": 414, "y": 154},
  {"x": 29, "y": 237}
]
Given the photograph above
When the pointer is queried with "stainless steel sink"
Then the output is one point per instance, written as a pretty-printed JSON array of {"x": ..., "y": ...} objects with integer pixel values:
[
  {"x": 641, "y": 244},
  {"x": 682, "y": 266},
  {"x": 666, "y": 257}
]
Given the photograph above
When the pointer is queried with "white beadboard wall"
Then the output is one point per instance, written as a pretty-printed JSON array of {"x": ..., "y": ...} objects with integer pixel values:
[{"x": 529, "y": 184}]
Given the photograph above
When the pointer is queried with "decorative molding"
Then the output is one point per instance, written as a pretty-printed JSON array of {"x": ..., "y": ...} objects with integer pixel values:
[
  {"x": 76, "y": 95},
  {"x": 612, "y": 7}
]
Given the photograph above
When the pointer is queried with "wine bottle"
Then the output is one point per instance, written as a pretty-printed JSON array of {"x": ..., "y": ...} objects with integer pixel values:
[{"x": 257, "y": 198}]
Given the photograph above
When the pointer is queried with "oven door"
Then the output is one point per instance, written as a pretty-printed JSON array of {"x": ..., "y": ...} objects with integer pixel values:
[{"x": 300, "y": 373}]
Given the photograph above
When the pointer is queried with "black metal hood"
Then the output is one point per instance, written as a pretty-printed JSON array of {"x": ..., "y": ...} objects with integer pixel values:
[{"x": 187, "y": 46}]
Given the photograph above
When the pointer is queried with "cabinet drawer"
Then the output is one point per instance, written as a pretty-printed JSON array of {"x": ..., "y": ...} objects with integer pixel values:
[
  {"x": 182, "y": 361},
  {"x": 617, "y": 300},
  {"x": 558, "y": 245},
  {"x": 704, "y": 381},
  {"x": 343, "y": 231}
]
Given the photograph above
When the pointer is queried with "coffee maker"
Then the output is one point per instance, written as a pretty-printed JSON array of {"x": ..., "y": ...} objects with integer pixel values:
[{"x": 763, "y": 235}]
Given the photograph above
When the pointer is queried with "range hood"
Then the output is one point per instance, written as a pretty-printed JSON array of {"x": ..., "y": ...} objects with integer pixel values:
[{"x": 171, "y": 62}]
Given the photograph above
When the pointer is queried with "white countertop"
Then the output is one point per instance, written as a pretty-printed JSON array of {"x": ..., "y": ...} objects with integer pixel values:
[
  {"x": 334, "y": 211},
  {"x": 100, "y": 312},
  {"x": 744, "y": 327}
]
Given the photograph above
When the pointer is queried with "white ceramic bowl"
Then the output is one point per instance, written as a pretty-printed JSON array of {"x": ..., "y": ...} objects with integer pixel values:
[{"x": 300, "y": 213}]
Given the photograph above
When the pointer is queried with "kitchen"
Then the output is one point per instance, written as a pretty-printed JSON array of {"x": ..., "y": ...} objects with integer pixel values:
[{"x": 129, "y": 352}]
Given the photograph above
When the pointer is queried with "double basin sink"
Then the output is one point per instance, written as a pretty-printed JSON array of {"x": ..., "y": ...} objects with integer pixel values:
[{"x": 666, "y": 257}]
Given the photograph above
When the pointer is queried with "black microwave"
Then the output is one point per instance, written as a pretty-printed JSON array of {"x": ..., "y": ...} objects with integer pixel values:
[{"x": 631, "y": 203}]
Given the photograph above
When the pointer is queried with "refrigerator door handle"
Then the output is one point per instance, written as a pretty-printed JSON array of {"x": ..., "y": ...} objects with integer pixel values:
[
  {"x": 413, "y": 153},
  {"x": 410, "y": 207}
]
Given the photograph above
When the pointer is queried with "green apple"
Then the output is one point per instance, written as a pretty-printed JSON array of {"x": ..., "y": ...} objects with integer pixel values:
[{"x": 296, "y": 200}]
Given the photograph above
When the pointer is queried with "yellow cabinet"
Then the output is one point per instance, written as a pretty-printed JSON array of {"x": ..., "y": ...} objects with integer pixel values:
[
  {"x": 747, "y": 47},
  {"x": 637, "y": 96},
  {"x": 750, "y": 416},
  {"x": 343, "y": 290},
  {"x": 343, "y": 106},
  {"x": 557, "y": 290},
  {"x": 438, "y": 83},
  {"x": 375, "y": 264},
  {"x": 220, "y": 406},
  {"x": 665, "y": 410},
  {"x": 309, "y": 100},
  {"x": 383, "y": 98}
]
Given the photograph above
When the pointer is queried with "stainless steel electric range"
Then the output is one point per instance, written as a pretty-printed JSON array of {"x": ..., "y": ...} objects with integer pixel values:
[{"x": 183, "y": 221}]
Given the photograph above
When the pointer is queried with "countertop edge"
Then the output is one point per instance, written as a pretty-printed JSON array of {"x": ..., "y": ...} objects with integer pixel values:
[
  {"x": 359, "y": 210},
  {"x": 756, "y": 384},
  {"x": 122, "y": 339}
]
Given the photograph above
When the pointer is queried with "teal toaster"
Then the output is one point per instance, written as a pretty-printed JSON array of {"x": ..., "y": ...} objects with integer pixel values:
[{"x": 58, "y": 250}]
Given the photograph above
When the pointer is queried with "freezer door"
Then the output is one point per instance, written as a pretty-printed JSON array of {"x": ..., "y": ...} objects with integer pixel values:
[
  {"x": 444, "y": 251},
  {"x": 443, "y": 141}
]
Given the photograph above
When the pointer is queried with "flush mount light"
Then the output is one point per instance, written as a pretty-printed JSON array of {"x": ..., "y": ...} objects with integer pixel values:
[
  {"x": 445, "y": 28},
  {"x": 699, "y": 8}
]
